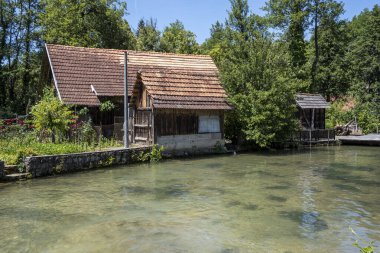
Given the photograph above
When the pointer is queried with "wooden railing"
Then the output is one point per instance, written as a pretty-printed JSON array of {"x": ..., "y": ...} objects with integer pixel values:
[{"x": 315, "y": 135}]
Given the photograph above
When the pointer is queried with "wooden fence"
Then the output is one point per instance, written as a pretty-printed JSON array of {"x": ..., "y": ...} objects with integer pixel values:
[{"x": 316, "y": 135}]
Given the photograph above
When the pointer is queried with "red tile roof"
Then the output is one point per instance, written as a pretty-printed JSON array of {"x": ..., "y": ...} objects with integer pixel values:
[
  {"x": 173, "y": 80},
  {"x": 185, "y": 89}
]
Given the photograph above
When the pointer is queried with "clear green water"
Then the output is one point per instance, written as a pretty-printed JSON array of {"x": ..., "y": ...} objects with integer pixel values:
[{"x": 289, "y": 202}]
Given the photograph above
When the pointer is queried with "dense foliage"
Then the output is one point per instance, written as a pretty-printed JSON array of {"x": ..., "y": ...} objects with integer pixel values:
[
  {"x": 17, "y": 142},
  {"x": 51, "y": 117},
  {"x": 177, "y": 39},
  {"x": 298, "y": 46},
  {"x": 255, "y": 71}
]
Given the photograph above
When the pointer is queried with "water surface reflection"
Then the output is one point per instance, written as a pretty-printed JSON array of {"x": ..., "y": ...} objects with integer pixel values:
[{"x": 284, "y": 202}]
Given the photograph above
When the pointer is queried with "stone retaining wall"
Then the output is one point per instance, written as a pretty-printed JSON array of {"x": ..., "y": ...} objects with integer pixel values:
[{"x": 39, "y": 166}]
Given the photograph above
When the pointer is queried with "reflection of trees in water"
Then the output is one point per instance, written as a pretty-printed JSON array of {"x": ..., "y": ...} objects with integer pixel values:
[{"x": 310, "y": 218}]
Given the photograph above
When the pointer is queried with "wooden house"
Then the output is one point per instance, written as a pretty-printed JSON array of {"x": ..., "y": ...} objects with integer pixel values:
[
  {"x": 312, "y": 115},
  {"x": 175, "y": 100}
]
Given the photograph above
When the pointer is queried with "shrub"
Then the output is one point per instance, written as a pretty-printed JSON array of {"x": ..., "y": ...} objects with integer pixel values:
[
  {"x": 51, "y": 116},
  {"x": 342, "y": 111},
  {"x": 156, "y": 153},
  {"x": 107, "y": 106},
  {"x": 140, "y": 156}
]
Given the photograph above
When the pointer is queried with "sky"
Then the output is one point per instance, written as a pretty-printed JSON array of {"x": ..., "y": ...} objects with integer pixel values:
[{"x": 198, "y": 15}]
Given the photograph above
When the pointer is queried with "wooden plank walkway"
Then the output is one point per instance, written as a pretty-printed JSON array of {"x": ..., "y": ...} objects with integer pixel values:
[{"x": 365, "y": 140}]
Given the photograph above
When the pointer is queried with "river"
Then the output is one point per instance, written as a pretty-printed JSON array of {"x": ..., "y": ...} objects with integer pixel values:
[{"x": 286, "y": 202}]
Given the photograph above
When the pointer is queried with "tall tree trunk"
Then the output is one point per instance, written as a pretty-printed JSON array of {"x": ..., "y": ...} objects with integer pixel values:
[
  {"x": 295, "y": 36},
  {"x": 314, "y": 70},
  {"x": 4, "y": 29},
  {"x": 26, "y": 72},
  {"x": 13, "y": 61}
]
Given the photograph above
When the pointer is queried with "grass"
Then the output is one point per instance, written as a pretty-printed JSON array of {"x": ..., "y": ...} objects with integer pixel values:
[{"x": 14, "y": 149}]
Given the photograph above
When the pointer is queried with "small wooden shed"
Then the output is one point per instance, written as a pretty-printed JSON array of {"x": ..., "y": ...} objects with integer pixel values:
[
  {"x": 312, "y": 110},
  {"x": 312, "y": 115},
  {"x": 186, "y": 107}
]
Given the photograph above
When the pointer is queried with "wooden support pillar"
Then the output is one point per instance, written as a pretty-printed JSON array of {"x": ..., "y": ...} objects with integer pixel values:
[{"x": 126, "y": 107}]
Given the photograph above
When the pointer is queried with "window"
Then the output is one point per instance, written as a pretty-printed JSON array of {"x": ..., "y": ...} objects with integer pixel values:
[{"x": 209, "y": 124}]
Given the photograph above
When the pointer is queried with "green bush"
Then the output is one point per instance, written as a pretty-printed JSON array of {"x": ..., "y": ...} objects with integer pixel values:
[
  {"x": 87, "y": 133},
  {"x": 14, "y": 149},
  {"x": 154, "y": 155},
  {"x": 140, "y": 156},
  {"x": 337, "y": 115},
  {"x": 51, "y": 117},
  {"x": 107, "y": 106},
  {"x": 340, "y": 114},
  {"x": 367, "y": 119}
]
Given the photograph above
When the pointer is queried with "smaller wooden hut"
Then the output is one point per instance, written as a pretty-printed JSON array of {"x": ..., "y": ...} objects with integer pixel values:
[
  {"x": 312, "y": 116},
  {"x": 179, "y": 104}
]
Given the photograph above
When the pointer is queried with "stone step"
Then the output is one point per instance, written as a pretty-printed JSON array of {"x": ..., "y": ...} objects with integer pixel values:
[{"x": 16, "y": 176}]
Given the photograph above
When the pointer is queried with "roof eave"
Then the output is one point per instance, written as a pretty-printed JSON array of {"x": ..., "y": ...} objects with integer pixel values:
[{"x": 52, "y": 71}]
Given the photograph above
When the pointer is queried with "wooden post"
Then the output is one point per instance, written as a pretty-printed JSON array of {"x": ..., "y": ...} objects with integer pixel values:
[
  {"x": 328, "y": 136},
  {"x": 152, "y": 127},
  {"x": 310, "y": 136},
  {"x": 126, "y": 109}
]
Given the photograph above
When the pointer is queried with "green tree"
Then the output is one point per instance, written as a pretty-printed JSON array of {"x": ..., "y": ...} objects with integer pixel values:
[
  {"x": 292, "y": 17},
  {"x": 295, "y": 18},
  {"x": 213, "y": 45},
  {"x": 176, "y": 39},
  {"x": 50, "y": 116},
  {"x": 363, "y": 58},
  {"x": 19, "y": 56},
  {"x": 255, "y": 73},
  {"x": 87, "y": 23},
  {"x": 332, "y": 79},
  {"x": 148, "y": 37}
]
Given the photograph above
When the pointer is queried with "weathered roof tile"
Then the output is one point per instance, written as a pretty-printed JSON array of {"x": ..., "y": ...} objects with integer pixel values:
[
  {"x": 310, "y": 101},
  {"x": 173, "y": 80}
]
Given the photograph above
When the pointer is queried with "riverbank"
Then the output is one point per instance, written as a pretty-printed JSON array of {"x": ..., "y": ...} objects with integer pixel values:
[{"x": 48, "y": 165}]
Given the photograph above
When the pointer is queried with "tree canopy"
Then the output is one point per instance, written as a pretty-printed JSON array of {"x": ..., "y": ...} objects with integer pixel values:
[{"x": 176, "y": 39}]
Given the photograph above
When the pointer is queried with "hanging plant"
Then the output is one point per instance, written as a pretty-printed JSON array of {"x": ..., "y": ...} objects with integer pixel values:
[{"x": 107, "y": 106}]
